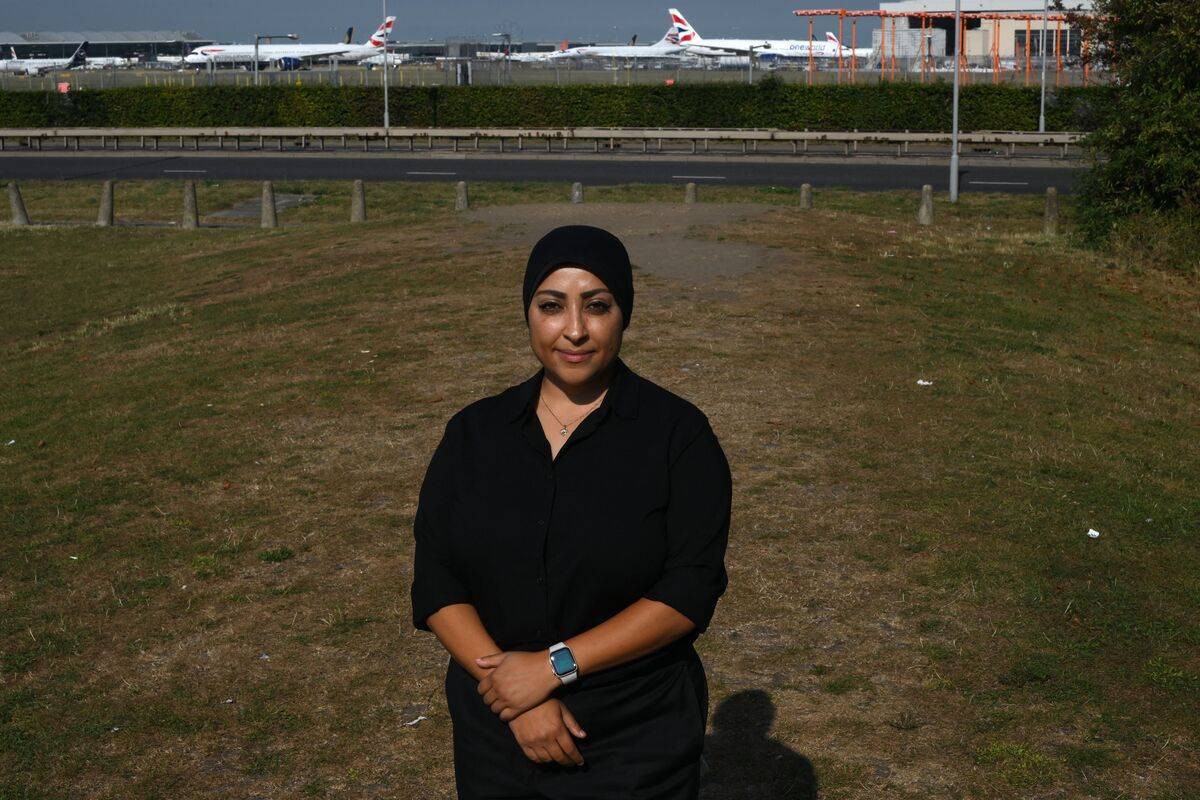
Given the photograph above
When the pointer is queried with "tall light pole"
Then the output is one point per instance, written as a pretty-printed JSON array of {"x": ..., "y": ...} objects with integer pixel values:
[
  {"x": 387, "y": 35},
  {"x": 1042, "y": 113},
  {"x": 507, "y": 53},
  {"x": 268, "y": 36},
  {"x": 954, "y": 121}
]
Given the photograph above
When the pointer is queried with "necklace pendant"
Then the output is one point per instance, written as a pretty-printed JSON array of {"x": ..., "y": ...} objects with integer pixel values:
[{"x": 564, "y": 430}]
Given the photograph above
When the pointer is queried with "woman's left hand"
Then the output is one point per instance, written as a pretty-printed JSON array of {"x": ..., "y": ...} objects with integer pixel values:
[{"x": 518, "y": 681}]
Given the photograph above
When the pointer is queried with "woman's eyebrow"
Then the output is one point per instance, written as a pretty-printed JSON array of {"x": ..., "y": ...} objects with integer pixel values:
[{"x": 585, "y": 295}]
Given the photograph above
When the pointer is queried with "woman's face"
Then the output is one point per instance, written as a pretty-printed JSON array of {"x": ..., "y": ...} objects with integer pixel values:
[{"x": 575, "y": 325}]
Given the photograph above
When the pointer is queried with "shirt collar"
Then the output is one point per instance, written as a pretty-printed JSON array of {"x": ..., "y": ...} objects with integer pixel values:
[{"x": 622, "y": 393}]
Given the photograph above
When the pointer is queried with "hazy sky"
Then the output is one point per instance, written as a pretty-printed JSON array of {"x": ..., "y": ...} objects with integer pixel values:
[{"x": 322, "y": 20}]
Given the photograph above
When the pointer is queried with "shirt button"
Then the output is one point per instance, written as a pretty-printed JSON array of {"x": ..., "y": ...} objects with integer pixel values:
[
  {"x": 541, "y": 522},
  {"x": 541, "y": 578},
  {"x": 538, "y": 633}
]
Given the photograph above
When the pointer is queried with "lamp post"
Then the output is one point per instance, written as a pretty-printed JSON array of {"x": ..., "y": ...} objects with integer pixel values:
[
  {"x": 954, "y": 121},
  {"x": 268, "y": 36},
  {"x": 1042, "y": 113},
  {"x": 507, "y": 53}
]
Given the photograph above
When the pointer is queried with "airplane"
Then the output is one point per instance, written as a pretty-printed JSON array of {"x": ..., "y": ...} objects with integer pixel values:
[
  {"x": 292, "y": 53},
  {"x": 39, "y": 66},
  {"x": 106, "y": 62},
  {"x": 666, "y": 47},
  {"x": 692, "y": 42},
  {"x": 523, "y": 58}
]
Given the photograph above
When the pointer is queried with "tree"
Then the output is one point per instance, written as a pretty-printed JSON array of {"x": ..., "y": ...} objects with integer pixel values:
[{"x": 1148, "y": 139}]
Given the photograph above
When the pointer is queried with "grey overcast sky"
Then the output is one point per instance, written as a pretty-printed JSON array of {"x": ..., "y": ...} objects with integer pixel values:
[{"x": 322, "y": 20}]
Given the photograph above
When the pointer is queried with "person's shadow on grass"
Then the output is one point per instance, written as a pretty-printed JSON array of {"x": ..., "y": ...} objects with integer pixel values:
[{"x": 745, "y": 762}]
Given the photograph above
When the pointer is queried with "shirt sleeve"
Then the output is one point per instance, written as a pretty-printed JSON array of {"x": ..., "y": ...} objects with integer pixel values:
[
  {"x": 697, "y": 524},
  {"x": 434, "y": 583}
]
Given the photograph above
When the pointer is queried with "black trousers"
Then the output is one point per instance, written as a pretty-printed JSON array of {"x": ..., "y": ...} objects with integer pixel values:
[{"x": 645, "y": 735}]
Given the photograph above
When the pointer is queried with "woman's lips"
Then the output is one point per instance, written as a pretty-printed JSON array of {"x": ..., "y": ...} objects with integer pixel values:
[{"x": 575, "y": 358}]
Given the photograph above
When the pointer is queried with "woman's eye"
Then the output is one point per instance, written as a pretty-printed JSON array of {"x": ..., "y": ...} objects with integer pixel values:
[
  {"x": 548, "y": 307},
  {"x": 599, "y": 307}
]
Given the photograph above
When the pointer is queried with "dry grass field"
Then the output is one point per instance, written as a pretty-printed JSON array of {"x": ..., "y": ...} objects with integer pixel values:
[{"x": 211, "y": 443}]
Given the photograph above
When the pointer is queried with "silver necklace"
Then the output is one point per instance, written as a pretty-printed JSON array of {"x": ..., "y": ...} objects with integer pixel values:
[{"x": 563, "y": 431}]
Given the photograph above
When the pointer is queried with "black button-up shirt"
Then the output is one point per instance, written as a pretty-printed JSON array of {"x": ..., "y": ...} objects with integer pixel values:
[{"x": 636, "y": 504}]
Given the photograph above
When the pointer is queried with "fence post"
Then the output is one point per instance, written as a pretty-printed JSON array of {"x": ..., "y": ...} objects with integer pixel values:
[
  {"x": 925, "y": 212},
  {"x": 576, "y": 192},
  {"x": 1050, "y": 220},
  {"x": 269, "y": 218},
  {"x": 191, "y": 217},
  {"x": 806, "y": 200},
  {"x": 461, "y": 200},
  {"x": 19, "y": 215},
  {"x": 105, "y": 218},
  {"x": 689, "y": 194},
  {"x": 358, "y": 202}
]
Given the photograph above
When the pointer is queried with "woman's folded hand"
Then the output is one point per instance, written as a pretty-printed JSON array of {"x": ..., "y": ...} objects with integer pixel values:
[
  {"x": 518, "y": 681},
  {"x": 545, "y": 733}
]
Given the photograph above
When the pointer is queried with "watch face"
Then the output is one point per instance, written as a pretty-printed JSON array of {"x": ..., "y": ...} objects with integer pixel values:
[{"x": 562, "y": 661}]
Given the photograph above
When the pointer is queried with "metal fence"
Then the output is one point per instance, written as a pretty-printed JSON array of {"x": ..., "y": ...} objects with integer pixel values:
[{"x": 678, "y": 141}]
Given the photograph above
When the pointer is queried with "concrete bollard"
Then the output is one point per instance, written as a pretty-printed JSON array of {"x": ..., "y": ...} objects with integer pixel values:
[
  {"x": 1050, "y": 220},
  {"x": 19, "y": 215},
  {"x": 689, "y": 194},
  {"x": 270, "y": 219},
  {"x": 191, "y": 217},
  {"x": 576, "y": 192},
  {"x": 461, "y": 201},
  {"x": 104, "y": 218},
  {"x": 925, "y": 212},
  {"x": 358, "y": 202},
  {"x": 806, "y": 195}
]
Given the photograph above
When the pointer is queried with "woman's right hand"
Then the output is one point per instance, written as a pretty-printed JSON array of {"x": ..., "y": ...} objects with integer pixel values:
[{"x": 544, "y": 733}]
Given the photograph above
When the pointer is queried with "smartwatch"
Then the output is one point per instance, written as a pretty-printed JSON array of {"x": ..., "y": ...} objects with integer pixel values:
[{"x": 563, "y": 663}]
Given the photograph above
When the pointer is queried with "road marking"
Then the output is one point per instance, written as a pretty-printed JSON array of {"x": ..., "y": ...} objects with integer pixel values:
[
  {"x": 429, "y": 173},
  {"x": 700, "y": 177},
  {"x": 999, "y": 183},
  {"x": 185, "y": 170}
]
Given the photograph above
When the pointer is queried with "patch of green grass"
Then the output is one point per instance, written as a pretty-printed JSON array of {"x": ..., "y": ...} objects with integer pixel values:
[{"x": 276, "y": 554}]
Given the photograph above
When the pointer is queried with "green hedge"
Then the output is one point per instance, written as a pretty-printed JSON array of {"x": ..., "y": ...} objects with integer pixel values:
[{"x": 769, "y": 104}]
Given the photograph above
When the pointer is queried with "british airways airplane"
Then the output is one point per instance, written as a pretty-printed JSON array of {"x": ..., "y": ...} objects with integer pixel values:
[
  {"x": 244, "y": 53},
  {"x": 693, "y": 43},
  {"x": 666, "y": 47}
]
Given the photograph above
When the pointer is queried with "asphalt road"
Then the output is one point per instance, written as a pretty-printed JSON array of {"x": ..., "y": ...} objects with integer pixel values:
[{"x": 589, "y": 170}]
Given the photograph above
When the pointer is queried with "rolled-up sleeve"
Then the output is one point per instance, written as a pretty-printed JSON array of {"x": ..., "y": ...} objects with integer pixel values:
[
  {"x": 434, "y": 583},
  {"x": 697, "y": 525}
]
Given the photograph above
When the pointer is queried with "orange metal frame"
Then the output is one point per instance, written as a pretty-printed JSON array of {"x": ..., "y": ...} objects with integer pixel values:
[{"x": 887, "y": 49}]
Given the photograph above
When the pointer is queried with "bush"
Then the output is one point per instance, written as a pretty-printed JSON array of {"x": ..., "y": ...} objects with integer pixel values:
[{"x": 767, "y": 104}]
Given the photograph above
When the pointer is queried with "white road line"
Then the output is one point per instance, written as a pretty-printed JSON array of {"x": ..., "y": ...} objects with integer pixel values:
[
  {"x": 701, "y": 177},
  {"x": 430, "y": 173},
  {"x": 999, "y": 183},
  {"x": 185, "y": 170}
]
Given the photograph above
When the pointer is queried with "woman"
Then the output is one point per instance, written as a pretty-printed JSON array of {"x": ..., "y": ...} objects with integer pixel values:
[{"x": 569, "y": 549}]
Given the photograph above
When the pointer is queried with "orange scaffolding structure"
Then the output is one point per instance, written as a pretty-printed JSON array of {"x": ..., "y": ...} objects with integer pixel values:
[{"x": 848, "y": 69}]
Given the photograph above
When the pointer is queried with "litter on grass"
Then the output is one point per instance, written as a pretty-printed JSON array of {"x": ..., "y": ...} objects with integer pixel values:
[
  {"x": 1093, "y": 533},
  {"x": 415, "y": 721},
  {"x": 923, "y": 382}
]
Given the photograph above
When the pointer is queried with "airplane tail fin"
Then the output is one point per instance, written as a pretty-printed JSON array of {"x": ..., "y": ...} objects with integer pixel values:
[
  {"x": 349, "y": 35},
  {"x": 686, "y": 33},
  {"x": 382, "y": 33},
  {"x": 633, "y": 41},
  {"x": 563, "y": 45},
  {"x": 79, "y": 56},
  {"x": 13, "y": 50},
  {"x": 833, "y": 40}
]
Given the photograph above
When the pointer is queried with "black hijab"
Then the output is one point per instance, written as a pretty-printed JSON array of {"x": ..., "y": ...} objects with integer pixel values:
[{"x": 586, "y": 247}]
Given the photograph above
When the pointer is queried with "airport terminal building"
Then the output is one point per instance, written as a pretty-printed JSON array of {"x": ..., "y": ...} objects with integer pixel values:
[
  {"x": 998, "y": 27},
  {"x": 142, "y": 45}
]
